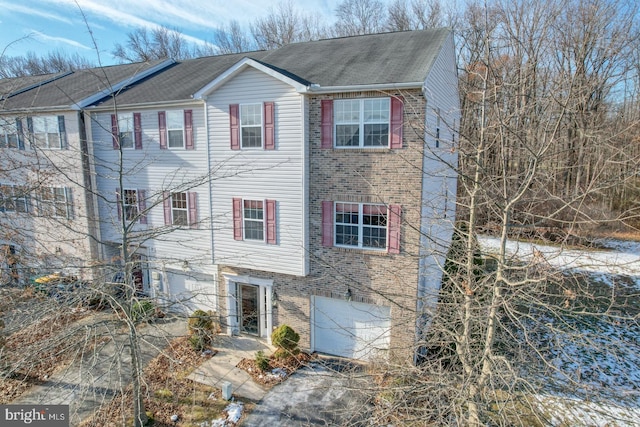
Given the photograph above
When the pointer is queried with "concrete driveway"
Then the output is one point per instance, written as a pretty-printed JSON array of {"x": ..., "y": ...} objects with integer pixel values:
[{"x": 323, "y": 394}]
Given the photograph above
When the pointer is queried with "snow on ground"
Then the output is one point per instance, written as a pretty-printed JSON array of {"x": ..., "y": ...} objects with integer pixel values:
[
  {"x": 615, "y": 372},
  {"x": 621, "y": 257}
]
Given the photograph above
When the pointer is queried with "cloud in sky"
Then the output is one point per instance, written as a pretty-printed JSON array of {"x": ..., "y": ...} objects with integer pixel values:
[{"x": 46, "y": 38}]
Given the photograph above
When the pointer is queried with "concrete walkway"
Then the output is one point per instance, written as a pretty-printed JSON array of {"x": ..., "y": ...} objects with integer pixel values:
[
  {"x": 222, "y": 367},
  {"x": 95, "y": 377}
]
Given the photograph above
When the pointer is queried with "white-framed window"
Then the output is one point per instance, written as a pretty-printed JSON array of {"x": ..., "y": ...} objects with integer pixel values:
[
  {"x": 175, "y": 129},
  {"x": 360, "y": 225},
  {"x": 131, "y": 202},
  {"x": 8, "y": 134},
  {"x": 13, "y": 199},
  {"x": 251, "y": 125},
  {"x": 362, "y": 122},
  {"x": 46, "y": 132},
  {"x": 179, "y": 209},
  {"x": 253, "y": 219},
  {"x": 54, "y": 202},
  {"x": 125, "y": 130}
]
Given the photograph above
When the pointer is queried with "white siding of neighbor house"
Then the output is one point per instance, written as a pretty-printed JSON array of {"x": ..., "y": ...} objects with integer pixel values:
[
  {"x": 155, "y": 170},
  {"x": 260, "y": 174},
  {"x": 440, "y": 179}
]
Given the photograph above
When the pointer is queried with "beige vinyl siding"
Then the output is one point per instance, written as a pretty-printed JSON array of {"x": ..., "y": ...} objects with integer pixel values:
[{"x": 260, "y": 174}]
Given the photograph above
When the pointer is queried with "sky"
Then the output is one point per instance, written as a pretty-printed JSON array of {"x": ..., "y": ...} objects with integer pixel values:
[{"x": 41, "y": 26}]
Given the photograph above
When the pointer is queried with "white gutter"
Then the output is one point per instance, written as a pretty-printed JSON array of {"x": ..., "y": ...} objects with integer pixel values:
[
  {"x": 139, "y": 105},
  {"x": 116, "y": 87},
  {"x": 314, "y": 88}
]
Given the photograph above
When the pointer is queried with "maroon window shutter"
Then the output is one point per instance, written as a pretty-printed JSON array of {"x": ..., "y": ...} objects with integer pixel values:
[
  {"x": 395, "y": 217},
  {"x": 119, "y": 204},
  {"x": 234, "y": 121},
  {"x": 327, "y": 223},
  {"x": 271, "y": 222},
  {"x": 166, "y": 204},
  {"x": 162, "y": 128},
  {"x": 188, "y": 129},
  {"x": 114, "y": 131},
  {"x": 269, "y": 126},
  {"x": 397, "y": 110},
  {"x": 326, "y": 113},
  {"x": 142, "y": 206},
  {"x": 137, "y": 131},
  {"x": 193, "y": 209},
  {"x": 237, "y": 218}
]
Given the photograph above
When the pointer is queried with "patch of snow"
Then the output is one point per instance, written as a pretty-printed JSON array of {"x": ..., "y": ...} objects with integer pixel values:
[
  {"x": 234, "y": 413},
  {"x": 612, "y": 261}
]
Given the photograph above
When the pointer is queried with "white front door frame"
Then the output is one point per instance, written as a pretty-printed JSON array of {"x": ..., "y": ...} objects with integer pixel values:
[{"x": 266, "y": 308}]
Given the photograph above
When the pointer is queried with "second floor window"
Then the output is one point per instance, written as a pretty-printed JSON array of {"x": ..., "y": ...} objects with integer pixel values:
[
  {"x": 54, "y": 202},
  {"x": 179, "y": 211},
  {"x": 253, "y": 217},
  {"x": 130, "y": 204},
  {"x": 361, "y": 225},
  {"x": 13, "y": 199}
]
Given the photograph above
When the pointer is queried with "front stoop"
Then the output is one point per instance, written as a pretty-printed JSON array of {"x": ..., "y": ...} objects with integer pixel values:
[{"x": 223, "y": 366}]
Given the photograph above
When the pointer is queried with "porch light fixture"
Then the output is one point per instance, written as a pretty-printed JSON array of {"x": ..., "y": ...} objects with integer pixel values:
[
  {"x": 347, "y": 295},
  {"x": 58, "y": 250},
  {"x": 274, "y": 298},
  {"x": 185, "y": 265}
]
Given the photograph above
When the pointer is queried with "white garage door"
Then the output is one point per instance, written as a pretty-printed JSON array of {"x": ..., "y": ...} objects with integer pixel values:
[{"x": 350, "y": 329}]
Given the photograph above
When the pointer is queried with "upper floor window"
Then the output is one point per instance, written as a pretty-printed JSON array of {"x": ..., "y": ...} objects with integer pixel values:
[
  {"x": 125, "y": 130},
  {"x": 54, "y": 202},
  {"x": 361, "y": 225},
  {"x": 362, "y": 123},
  {"x": 9, "y": 134},
  {"x": 253, "y": 217},
  {"x": 252, "y": 125},
  {"x": 13, "y": 199},
  {"x": 47, "y": 131},
  {"x": 254, "y": 220},
  {"x": 176, "y": 129},
  {"x": 134, "y": 204},
  {"x": 180, "y": 208}
]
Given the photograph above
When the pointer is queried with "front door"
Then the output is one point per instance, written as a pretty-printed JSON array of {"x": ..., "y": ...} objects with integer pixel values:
[{"x": 249, "y": 310}]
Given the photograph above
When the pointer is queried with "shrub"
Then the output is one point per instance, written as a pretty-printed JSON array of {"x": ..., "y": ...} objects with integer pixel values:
[
  {"x": 262, "y": 361},
  {"x": 142, "y": 310},
  {"x": 201, "y": 329},
  {"x": 199, "y": 321},
  {"x": 286, "y": 339},
  {"x": 199, "y": 342}
]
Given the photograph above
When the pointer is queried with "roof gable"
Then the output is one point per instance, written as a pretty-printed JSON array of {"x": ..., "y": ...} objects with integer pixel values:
[{"x": 242, "y": 65}]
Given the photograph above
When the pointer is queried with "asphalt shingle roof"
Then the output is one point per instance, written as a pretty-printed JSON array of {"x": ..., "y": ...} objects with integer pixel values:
[{"x": 376, "y": 59}]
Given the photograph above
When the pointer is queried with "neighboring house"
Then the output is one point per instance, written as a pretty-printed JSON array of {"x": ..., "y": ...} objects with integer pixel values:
[
  {"x": 313, "y": 185},
  {"x": 47, "y": 188}
]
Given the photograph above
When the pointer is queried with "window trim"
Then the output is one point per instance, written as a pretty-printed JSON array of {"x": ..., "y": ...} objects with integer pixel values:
[
  {"x": 191, "y": 208},
  {"x": 245, "y": 219},
  {"x": 269, "y": 220},
  {"x": 5, "y": 126},
  {"x": 260, "y": 108},
  {"x": 47, "y": 120},
  {"x": 53, "y": 203},
  {"x": 361, "y": 123},
  {"x": 22, "y": 199},
  {"x": 361, "y": 226}
]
